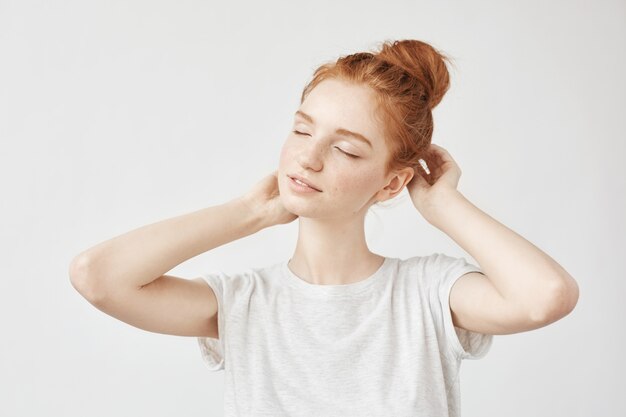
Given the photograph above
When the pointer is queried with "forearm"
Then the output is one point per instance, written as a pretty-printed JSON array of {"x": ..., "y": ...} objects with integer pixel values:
[
  {"x": 142, "y": 255},
  {"x": 520, "y": 271}
]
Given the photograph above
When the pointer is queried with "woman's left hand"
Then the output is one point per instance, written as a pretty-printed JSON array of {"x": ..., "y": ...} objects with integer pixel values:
[{"x": 429, "y": 196}]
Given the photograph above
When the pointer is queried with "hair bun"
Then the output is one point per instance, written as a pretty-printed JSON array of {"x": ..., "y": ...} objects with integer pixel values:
[{"x": 423, "y": 62}]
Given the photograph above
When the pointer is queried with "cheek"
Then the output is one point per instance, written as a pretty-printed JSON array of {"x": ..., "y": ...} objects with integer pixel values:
[
  {"x": 285, "y": 155},
  {"x": 358, "y": 182}
]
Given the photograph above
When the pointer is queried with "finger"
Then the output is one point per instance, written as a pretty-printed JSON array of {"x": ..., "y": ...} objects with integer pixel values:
[
  {"x": 418, "y": 181},
  {"x": 443, "y": 152},
  {"x": 446, "y": 160}
]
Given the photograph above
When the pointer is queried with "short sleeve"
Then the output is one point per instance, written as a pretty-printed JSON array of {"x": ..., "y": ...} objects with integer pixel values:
[
  {"x": 211, "y": 349},
  {"x": 443, "y": 271}
]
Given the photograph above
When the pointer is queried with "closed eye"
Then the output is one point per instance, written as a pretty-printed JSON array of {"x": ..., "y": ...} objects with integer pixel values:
[{"x": 340, "y": 150}]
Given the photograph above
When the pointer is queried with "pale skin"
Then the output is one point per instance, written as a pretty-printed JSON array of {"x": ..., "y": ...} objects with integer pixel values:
[{"x": 522, "y": 287}]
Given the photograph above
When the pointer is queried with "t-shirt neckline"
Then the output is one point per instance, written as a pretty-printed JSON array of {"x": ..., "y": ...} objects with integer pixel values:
[{"x": 301, "y": 285}]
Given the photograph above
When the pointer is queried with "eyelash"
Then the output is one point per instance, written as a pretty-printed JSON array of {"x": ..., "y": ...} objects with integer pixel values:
[{"x": 345, "y": 153}]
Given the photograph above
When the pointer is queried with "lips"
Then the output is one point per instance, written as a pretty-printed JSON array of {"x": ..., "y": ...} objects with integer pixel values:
[{"x": 304, "y": 180}]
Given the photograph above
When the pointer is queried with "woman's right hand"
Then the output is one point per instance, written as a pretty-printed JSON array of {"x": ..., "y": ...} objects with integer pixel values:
[{"x": 264, "y": 199}]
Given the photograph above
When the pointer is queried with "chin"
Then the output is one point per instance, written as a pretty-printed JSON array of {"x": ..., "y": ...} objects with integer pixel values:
[{"x": 300, "y": 207}]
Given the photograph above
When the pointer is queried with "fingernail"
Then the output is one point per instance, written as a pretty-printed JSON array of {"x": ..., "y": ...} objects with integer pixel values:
[{"x": 423, "y": 164}]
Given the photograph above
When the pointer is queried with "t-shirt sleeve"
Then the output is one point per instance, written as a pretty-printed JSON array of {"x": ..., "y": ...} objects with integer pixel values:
[
  {"x": 211, "y": 349},
  {"x": 442, "y": 272}
]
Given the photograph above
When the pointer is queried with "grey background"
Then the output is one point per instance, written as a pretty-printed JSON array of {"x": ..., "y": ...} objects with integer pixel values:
[{"x": 116, "y": 114}]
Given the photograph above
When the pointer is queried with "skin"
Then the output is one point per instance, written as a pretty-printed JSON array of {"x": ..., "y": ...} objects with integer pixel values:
[
  {"x": 522, "y": 287},
  {"x": 331, "y": 246}
]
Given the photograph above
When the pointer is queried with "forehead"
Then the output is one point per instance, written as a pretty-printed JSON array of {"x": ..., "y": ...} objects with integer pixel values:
[{"x": 339, "y": 104}]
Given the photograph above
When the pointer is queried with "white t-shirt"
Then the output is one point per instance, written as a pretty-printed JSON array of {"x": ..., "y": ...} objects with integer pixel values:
[{"x": 382, "y": 346}]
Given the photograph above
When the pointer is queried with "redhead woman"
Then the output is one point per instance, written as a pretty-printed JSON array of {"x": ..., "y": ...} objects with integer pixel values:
[{"x": 337, "y": 330}]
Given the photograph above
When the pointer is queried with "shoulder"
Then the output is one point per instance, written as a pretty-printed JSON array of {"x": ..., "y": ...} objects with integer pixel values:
[
  {"x": 436, "y": 266},
  {"x": 425, "y": 262},
  {"x": 223, "y": 281},
  {"x": 238, "y": 279},
  {"x": 442, "y": 263}
]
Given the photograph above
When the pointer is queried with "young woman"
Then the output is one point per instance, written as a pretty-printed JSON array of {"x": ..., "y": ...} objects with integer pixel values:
[{"x": 337, "y": 329}]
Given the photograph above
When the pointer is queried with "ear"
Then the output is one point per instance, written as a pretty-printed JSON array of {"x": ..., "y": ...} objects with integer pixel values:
[{"x": 396, "y": 182}]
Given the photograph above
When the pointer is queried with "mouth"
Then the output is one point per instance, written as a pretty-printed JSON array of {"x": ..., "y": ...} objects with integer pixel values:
[{"x": 303, "y": 183}]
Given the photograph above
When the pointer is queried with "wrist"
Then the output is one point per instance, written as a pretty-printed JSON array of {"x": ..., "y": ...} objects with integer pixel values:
[
  {"x": 442, "y": 205},
  {"x": 252, "y": 214}
]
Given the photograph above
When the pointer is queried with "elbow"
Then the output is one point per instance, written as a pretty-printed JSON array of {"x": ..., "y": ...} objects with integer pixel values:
[
  {"x": 77, "y": 272},
  {"x": 82, "y": 279},
  {"x": 561, "y": 302}
]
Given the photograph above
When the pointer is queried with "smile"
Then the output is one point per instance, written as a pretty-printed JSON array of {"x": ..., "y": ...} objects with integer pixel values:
[{"x": 301, "y": 187}]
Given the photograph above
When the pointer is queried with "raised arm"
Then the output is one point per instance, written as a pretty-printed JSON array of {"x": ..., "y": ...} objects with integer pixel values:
[
  {"x": 124, "y": 276},
  {"x": 522, "y": 287}
]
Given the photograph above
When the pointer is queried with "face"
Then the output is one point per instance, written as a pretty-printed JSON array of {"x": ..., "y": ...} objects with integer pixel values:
[{"x": 348, "y": 171}]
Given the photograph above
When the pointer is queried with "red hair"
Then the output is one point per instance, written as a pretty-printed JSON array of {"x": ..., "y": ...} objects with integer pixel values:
[{"x": 409, "y": 78}]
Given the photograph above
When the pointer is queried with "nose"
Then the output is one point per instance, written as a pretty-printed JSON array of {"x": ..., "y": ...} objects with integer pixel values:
[{"x": 311, "y": 156}]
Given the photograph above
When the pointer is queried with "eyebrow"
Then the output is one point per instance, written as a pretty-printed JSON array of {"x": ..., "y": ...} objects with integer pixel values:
[{"x": 340, "y": 131}]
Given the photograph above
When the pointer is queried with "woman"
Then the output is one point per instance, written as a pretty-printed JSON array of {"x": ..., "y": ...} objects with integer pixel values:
[{"x": 338, "y": 329}]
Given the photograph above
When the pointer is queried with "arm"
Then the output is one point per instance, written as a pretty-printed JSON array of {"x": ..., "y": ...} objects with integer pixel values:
[
  {"x": 522, "y": 288},
  {"x": 522, "y": 274},
  {"x": 138, "y": 257},
  {"x": 124, "y": 276}
]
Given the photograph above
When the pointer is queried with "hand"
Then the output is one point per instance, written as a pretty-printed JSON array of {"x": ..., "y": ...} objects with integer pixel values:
[
  {"x": 428, "y": 195},
  {"x": 264, "y": 199}
]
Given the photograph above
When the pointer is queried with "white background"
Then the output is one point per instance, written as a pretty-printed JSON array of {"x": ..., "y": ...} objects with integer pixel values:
[{"x": 116, "y": 114}]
